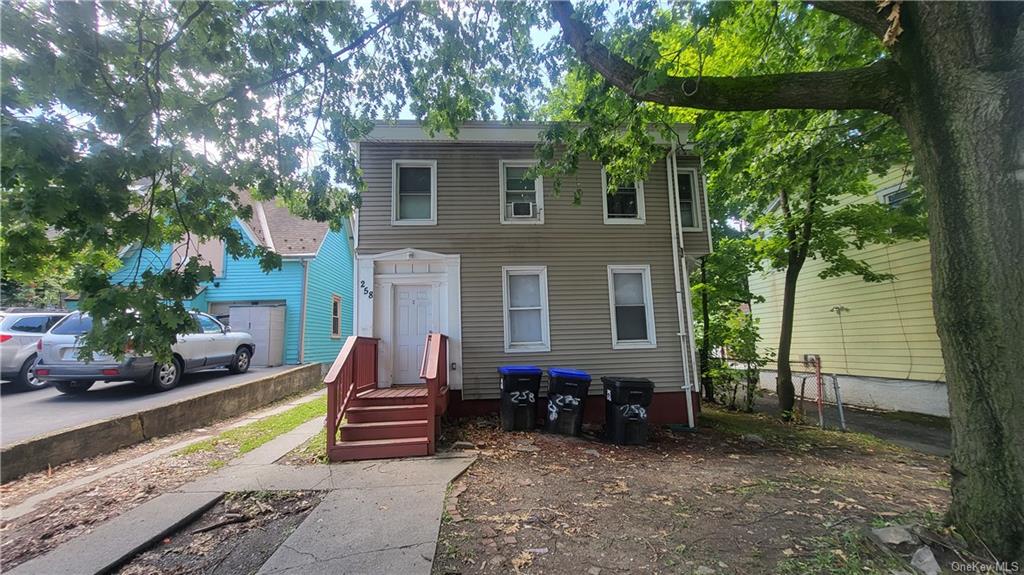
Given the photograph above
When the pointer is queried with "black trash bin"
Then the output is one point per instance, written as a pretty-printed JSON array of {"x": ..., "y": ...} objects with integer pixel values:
[
  {"x": 520, "y": 385},
  {"x": 567, "y": 393},
  {"x": 626, "y": 400}
]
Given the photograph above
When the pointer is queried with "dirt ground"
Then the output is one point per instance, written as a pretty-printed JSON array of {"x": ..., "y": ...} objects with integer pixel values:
[
  {"x": 743, "y": 495},
  {"x": 78, "y": 511},
  {"x": 234, "y": 537}
]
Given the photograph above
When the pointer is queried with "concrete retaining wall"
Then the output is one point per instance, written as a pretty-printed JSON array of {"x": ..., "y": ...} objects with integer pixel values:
[
  {"x": 108, "y": 435},
  {"x": 928, "y": 397}
]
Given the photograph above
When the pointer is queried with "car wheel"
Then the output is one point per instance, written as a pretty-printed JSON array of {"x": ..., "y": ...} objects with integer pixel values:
[
  {"x": 27, "y": 379},
  {"x": 243, "y": 357},
  {"x": 73, "y": 387},
  {"x": 166, "y": 375}
]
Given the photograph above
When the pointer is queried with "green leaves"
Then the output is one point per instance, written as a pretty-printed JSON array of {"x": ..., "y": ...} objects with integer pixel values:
[{"x": 134, "y": 124}]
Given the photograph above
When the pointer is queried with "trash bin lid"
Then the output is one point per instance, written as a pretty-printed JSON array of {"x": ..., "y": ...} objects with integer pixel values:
[
  {"x": 627, "y": 382},
  {"x": 519, "y": 370},
  {"x": 569, "y": 373}
]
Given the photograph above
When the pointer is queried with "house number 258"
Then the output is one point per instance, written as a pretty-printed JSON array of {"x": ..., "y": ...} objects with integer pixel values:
[{"x": 366, "y": 291}]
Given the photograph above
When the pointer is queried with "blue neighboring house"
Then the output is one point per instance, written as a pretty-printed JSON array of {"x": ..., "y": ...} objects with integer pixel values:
[{"x": 313, "y": 286}]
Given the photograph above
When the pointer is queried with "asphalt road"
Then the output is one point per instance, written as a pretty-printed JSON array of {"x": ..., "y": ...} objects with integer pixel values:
[{"x": 27, "y": 414}]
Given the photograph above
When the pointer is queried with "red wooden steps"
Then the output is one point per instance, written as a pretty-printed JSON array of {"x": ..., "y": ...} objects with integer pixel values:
[
  {"x": 382, "y": 448},
  {"x": 383, "y": 430},
  {"x": 376, "y": 413},
  {"x": 386, "y": 422}
]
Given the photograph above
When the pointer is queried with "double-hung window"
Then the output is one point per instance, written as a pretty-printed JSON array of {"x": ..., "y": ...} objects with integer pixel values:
[
  {"x": 414, "y": 192},
  {"x": 895, "y": 198},
  {"x": 624, "y": 205},
  {"x": 522, "y": 196},
  {"x": 689, "y": 206},
  {"x": 525, "y": 299},
  {"x": 335, "y": 316},
  {"x": 632, "y": 307}
]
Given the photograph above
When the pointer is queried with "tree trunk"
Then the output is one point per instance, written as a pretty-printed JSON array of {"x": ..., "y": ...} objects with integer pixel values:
[
  {"x": 957, "y": 86},
  {"x": 965, "y": 119},
  {"x": 705, "y": 347},
  {"x": 784, "y": 380}
]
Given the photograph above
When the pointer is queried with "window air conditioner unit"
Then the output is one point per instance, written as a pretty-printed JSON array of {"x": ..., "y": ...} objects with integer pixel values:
[{"x": 522, "y": 209}]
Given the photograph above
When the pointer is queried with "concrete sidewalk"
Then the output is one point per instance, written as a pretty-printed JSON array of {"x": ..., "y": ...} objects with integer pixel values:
[
  {"x": 378, "y": 517},
  {"x": 927, "y": 434}
]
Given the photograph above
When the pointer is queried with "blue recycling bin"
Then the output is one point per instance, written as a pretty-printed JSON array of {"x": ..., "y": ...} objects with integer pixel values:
[
  {"x": 519, "y": 386},
  {"x": 567, "y": 395}
]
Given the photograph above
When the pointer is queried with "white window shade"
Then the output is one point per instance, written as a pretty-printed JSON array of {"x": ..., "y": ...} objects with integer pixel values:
[
  {"x": 631, "y": 306},
  {"x": 629, "y": 288},
  {"x": 524, "y": 291},
  {"x": 525, "y": 301}
]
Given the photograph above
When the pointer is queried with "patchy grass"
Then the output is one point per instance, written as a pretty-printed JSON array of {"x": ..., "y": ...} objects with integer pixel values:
[
  {"x": 252, "y": 435},
  {"x": 846, "y": 553},
  {"x": 789, "y": 434},
  {"x": 313, "y": 451}
]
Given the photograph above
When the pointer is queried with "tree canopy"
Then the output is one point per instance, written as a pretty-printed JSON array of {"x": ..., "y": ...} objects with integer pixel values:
[{"x": 133, "y": 124}]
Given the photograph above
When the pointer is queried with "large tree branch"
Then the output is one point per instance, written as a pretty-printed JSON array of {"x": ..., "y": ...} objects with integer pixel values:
[
  {"x": 869, "y": 88},
  {"x": 355, "y": 44},
  {"x": 864, "y": 14}
]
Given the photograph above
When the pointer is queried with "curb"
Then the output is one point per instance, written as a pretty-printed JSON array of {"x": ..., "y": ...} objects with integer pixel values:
[
  {"x": 108, "y": 435},
  {"x": 116, "y": 541}
]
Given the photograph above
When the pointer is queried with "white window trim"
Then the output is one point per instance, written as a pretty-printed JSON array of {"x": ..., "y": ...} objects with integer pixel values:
[
  {"x": 336, "y": 298},
  {"x": 545, "y": 327},
  {"x": 432, "y": 164},
  {"x": 641, "y": 212},
  {"x": 883, "y": 194},
  {"x": 697, "y": 211},
  {"x": 538, "y": 186},
  {"x": 645, "y": 271}
]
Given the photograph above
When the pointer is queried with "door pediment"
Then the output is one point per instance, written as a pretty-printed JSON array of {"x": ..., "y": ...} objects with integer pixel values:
[{"x": 407, "y": 254}]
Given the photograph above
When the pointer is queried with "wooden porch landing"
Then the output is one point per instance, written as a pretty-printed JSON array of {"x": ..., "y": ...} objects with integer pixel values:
[{"x": 397, "y": 392}]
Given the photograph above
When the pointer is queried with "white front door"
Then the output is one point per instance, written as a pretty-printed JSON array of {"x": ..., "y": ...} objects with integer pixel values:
[{"x": 414, "y": 317}]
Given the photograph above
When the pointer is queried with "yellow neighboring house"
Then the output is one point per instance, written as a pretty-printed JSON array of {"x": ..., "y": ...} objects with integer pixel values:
[{"x": 878, "y": 338}]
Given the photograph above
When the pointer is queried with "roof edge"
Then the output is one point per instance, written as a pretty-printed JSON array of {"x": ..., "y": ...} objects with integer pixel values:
[{"x": 481, "y": 132}]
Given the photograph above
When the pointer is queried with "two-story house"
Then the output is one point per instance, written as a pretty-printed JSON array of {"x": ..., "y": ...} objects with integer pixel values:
[
  {"x": 299, "y": 313},
  {"x": 455, "y": 236}
]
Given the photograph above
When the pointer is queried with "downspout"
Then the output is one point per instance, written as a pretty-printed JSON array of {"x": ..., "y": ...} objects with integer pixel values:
[
  {"x": 673, "y": 207},
  {"x": 704, "y": 214},
  {"x": 302, "y": 312}
]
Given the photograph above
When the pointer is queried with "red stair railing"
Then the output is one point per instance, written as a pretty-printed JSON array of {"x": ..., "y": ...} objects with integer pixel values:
[
  {"x": 353, "y": 371},
  {"x": 434, "y": 371}
]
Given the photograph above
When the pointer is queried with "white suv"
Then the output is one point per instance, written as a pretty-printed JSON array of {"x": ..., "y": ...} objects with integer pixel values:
[
  {"x": 211, "y": 346},
  {"x": 19, "y": 333}
]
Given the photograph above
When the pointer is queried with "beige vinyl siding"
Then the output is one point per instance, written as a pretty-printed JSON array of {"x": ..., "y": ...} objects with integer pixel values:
[
  {"x": 889, "y": 330},
  {"x": 573, "y": 242}
]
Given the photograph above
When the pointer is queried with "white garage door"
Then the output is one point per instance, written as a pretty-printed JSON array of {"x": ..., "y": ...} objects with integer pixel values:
[{"x": 266, "y": 325}]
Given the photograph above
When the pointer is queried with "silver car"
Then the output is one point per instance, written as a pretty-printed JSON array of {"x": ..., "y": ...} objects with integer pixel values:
[
  {"x": 212, "y": 346},
  {"x": 19, "y": 333}
]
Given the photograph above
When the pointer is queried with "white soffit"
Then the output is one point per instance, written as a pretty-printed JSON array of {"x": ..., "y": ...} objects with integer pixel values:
[{"x": 480, "y": 132}]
